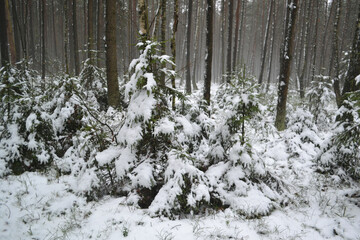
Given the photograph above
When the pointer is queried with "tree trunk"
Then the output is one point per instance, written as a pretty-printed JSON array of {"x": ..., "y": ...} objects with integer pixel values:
[
  {"x": 272, "y": 48},
  {"x": 237, "y": 30},
  {"x": 111, "y": 57},
  {"x": 31, "y": 31},
  {"x": 163, "y": 38},
  {"x": 144, "y": 25},
  {"x": 223, "y": 42},
  {"x": 229, "y": 47},
  {"x": 334, "y": 61},
  {"x": 75, "y": 39},
  {"x": 173, "y": 46},
  {"x": 264, "y": 49},
  {"x": 314, "y": 44},
  {"x": 351, "y": 84},
  {"x": 16, "y": 30},
  {"x": 10, "y": 33},
  {"x": 3, "y": 35},
  {"x": 196, "y": 51},
  {"x": 99, "y": 34},
  {"x": 188, "y": 39},
  {"x": 54, "y": 25},
  {"x": 285, "y": 63},
  {"x": 306, "y": 51},
  {"x": 43, "y": 5},
  {"x": 209, "y": 51},
  {"x": 90, "y": 19},
  {"x": 66, "y": 37}
]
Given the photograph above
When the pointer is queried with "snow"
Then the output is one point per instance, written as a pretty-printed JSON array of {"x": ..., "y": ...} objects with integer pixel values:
[
  {"x": 106, "y": 156},
  {"x": 36, "y": 207}
]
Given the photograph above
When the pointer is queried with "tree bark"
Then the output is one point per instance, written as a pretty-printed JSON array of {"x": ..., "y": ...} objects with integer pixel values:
[
  {"x": 306, "y": 51},
  {"x": 163, "y": 36},
  {"x": 229, "y": 47},
  {"x": 173, "y": 46},
  {"x": 144, "y": 25},
  {"x": 3, "y": 35},
  {"x": 237, "y": 30},
  {"x": 43, "y": 5},
  {"x": 75, "y": 39},
  {"x": 66, "y": 37},
  {"x": 285, "y": 63},
  {"x": 188, "y": 42},
  {"x": 111, "y": 57},
  {"x": 209, "y": 51},
  {"x": 334, "y": 61},
  {"x": 10, "y": 33},
  {"x": 90, "y": 19},
  {"x": 272, "y": 48},
  {"x": 264, "y": 49},
  {"x": 350, "y": 84},
  {"x": 99, "y": 34}
]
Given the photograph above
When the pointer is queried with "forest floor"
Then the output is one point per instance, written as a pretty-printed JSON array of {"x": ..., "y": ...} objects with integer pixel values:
[{"x": 37, "y": 206}]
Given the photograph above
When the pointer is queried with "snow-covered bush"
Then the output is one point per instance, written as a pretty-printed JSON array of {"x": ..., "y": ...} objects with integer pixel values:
[
  {"x": 341, "y": 153},
  {"x": 237, "y": 103},
  {"x": 322, "y": 102},
  {"x": 302, "y": 136},
  {"x": 26, "y": 136}
]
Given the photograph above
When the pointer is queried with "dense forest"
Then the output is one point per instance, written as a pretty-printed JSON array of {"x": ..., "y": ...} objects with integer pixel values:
[{"x": 247, "y": 111}]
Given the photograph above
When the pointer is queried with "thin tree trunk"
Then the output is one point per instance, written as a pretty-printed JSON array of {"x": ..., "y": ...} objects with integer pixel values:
[
  {"x": 314, "y": 44},
  {"x": 3, "y": 35},
  {"x": 264, "y": 49},
  {"x": 196, "y": 51},
  {"x": 209, "y": 51},
  {"x": 163, "y": 36},
  {"x": 173, "y": 46},
  {"x": 223, "y": 30},
  {"x": 10, "y": 33},
  {"x": 75, "y": 39},
  {"x": 90, "y": 14},
  {"x": 99, "y": 29},
  {"x": 229, "y": 47},
  {"x": 237, "y": 30},
  {"x": 143, "y": 19},
  {"x": 272, "y": 48},
  {"x": 111, "y": 57},
  {"x": 54, "y": 25},
  {"x": 306, "y": 49},
  {"x": 43, "y": 5},
  {"x": 188, "y": 39},
  {"x": 16, "y": 30},
  {"x": 66, "y": 37},
  {"x": 285, "y": 64},
  {"x": 351, "y": 84},
  {"x": 334, "y": 61}
]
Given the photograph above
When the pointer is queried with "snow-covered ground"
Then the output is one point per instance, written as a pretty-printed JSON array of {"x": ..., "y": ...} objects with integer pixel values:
[{"x": 35, "y": 206}]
